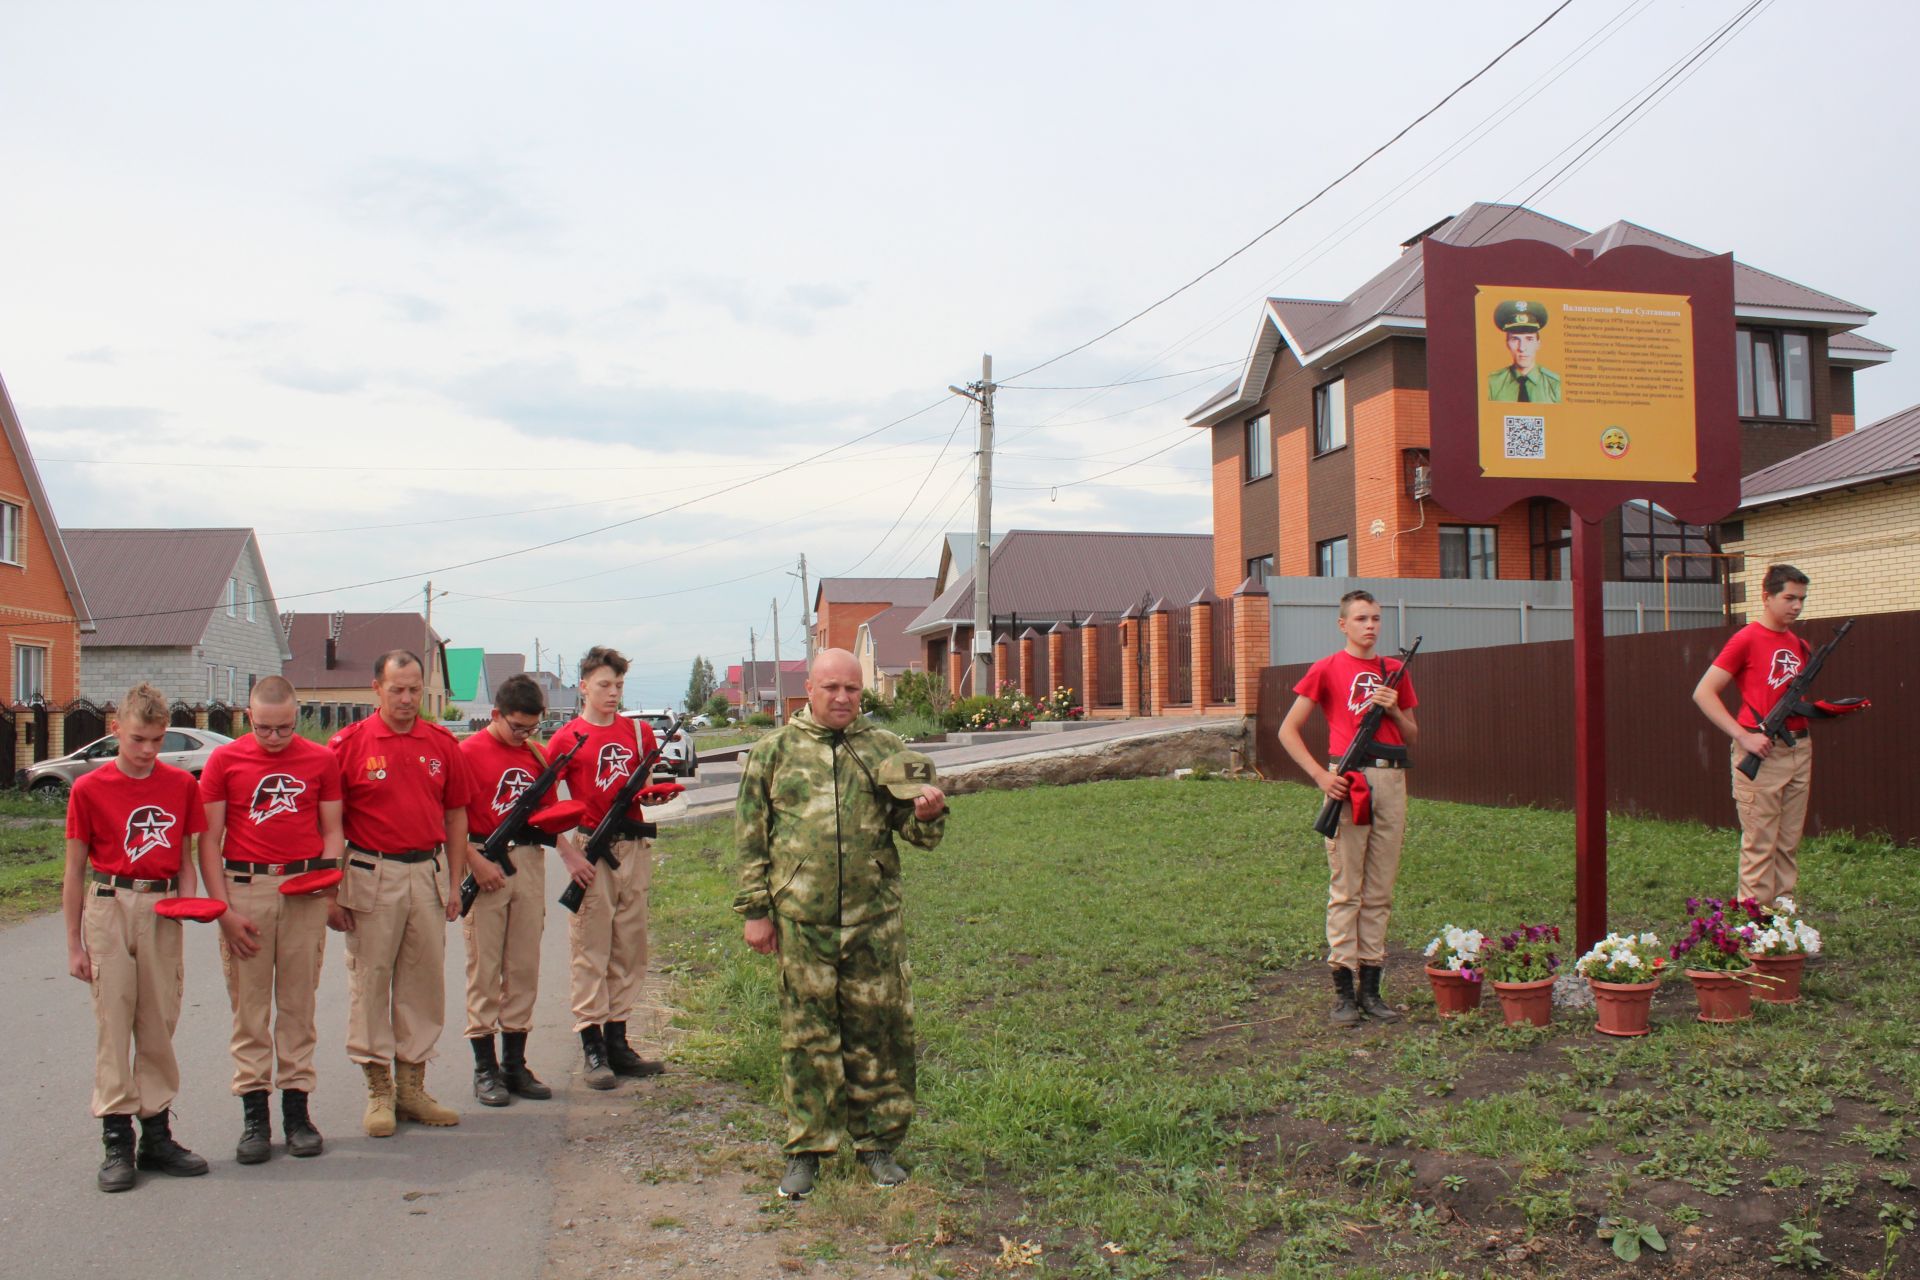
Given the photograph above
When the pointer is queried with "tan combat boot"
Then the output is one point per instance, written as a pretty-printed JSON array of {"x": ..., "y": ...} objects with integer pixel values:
[
  {"x": 414, "y": 1102},
  {"x": 380, "y": 1119}
]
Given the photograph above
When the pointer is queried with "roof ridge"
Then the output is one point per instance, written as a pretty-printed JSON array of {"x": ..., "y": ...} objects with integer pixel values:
[{"x": 1761, "y": 271}]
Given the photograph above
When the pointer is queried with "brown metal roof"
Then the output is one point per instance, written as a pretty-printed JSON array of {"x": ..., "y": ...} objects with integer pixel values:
[
  {"x": 158, "y": 587},
  {"x": 1885, "y": 450},
  {"x": 1047, "y": 575},
  {"x": 363, "y": 638},
  {"x": 914, "y": 591},
  {"x": 893, "y": 648},
  {"x": 496, "y": 667}
]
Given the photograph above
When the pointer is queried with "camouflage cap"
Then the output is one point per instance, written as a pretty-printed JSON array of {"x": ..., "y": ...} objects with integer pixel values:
[
  {"x": 905, "y": 773},
  {"x": 1520, "y": 316}
]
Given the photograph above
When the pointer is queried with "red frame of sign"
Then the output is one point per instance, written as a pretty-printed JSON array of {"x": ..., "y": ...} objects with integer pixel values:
[{"x": 1453, "y": 275}]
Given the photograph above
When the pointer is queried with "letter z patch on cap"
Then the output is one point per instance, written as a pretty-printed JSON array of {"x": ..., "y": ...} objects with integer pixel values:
[{"x": 903, "y": 775}]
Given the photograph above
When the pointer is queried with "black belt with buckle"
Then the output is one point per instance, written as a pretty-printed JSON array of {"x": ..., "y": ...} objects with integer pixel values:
[
  {"x": 243, "y": 872},
  {"x": 627, "y": 830},
  {"x": 407, "y": 855},
  {"x": 112, "y": 882},
  {"x": 1375, "y": 764},
  {"x": 532, "y": 835}
]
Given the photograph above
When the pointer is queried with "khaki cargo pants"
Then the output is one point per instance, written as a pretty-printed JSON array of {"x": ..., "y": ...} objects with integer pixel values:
[
  {"x": 1773, "y": 811},
  {"x": 1362, "y": 863},
  {"x": 503, "y": 946},
  {"x": 396, "y": 957},
  {"x": 608, "y": 937},
  {"x": 137, "y": 972},
  {"x": 272, "y": 992}
]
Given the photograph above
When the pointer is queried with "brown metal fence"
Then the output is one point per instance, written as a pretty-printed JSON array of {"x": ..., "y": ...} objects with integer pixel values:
[
  {"x": 1069, "y": 673},
  {"x": 1180, "y": 657},
  {"x": 1222, "y": 651},
  {"x": 1041, "y": 676},
  {"x": 85, "y": 723},
  {"x": 1108, "y": 657},
  {"x": 1496, "y": 728}
]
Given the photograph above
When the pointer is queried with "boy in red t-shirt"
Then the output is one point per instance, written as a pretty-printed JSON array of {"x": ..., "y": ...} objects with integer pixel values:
[
  {"x": 608, "y": 936},
  {"x": 128, "y": 824},
  {"x": 1364, "y": 858},
  {"x": 503, "y": 928},
  {"x": 273, "y": 812},
  {"x": 1761, "y": 660}
]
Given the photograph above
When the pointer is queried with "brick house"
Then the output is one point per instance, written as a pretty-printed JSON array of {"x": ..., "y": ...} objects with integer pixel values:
[
  {"x": 332, "y": 657},
  {"x": 1846, "y": 513},
  {"x": 840, "y": 605},
  {"x": 190, "y": 610},
  {"x": 1319, "y": 442},
  {"x": 885, "y": 649},
  {"x": 760, "y": 684},
  {"x": 43, "y": 612}
]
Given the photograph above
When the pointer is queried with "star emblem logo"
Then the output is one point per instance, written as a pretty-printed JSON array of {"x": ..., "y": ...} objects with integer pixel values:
[
  {"x": 147, "y": 829},
  {"x": 513, "y": 783},
  {"x": 616, "y": 763},
  {"x": 276, "y": 793}
]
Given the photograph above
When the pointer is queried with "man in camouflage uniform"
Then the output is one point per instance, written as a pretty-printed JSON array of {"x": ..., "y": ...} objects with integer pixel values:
[{"x": 821, "y": 800}]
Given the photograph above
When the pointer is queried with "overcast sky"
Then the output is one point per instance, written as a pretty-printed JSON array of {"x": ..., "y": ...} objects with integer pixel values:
[{"x": 403, "y": 286}]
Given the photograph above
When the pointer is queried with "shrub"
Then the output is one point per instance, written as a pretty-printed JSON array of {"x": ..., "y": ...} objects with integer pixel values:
[
  {"x": 1061, "y": 704},
  {"x": 762, "y": 719}
]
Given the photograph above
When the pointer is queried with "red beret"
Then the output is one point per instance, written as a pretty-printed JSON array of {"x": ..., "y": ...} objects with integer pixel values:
[
  {"x": 202, "y": 909},
  {"x": 658, "y": 793},
  {"x": 556, "y": 818},
  {"x": 311, "y": 881}
]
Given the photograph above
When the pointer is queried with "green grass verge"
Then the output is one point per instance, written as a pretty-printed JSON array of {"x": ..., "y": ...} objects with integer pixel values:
[
  {"x": 32, "y": 856},
  {"x": 1120, "y": 999}
]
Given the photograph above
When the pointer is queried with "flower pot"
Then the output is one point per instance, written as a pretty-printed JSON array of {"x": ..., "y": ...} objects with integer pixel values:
[
  {"x": 1777, "y": 978},
  {"x": 1723, "y": 996},
  {"x": 1453, "y": 994},
  {"x": 1623, "y": 1006},
  {"x": 1526, "y": 1001}
]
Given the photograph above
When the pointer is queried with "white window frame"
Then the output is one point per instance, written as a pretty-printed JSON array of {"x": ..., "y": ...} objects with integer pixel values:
[
  {"x": 13, "y": 533},
  {"x": 1330, "y": 416},
  {"x": 253, "y": 598},
  {"x": 212, "y": 673},
  {"x": 41, "y": 652},
  {"x": 1322, "y": 554},
  {"x": 1258, "y": 446},
  {"x": 233, "y": 597}
]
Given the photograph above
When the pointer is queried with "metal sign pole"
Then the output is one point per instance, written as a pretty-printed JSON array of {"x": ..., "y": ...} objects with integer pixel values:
[{"x": 1589, "y": 736}]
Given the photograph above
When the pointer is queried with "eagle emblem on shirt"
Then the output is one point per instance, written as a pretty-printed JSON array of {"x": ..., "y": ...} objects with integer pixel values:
[
  {"x": 513, "y": 783},
  {"x": 147, "y": 829},
  {"x": 276, "y": 793},
  {"x": 1786, "y": 665},
  {"x": 616, "y": 763},
  {"x": 1363, "y": 686}
]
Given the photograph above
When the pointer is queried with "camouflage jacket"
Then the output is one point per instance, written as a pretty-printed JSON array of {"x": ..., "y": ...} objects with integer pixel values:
[{"x": 816, "y": 830}]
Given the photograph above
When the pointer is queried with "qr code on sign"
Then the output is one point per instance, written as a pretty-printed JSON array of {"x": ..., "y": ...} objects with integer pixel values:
[{"x": 1526, "y": 437}]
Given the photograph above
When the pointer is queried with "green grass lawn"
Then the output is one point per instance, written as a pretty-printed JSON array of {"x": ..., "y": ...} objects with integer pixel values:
[
  {"x": 1124, "y": 1060},
  {"x": 32, "y": 850}
]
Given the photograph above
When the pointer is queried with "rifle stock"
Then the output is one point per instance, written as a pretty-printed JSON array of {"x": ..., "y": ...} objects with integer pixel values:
[
  {"x": 1792, "y": 702},
  {"x": 512, "y": 827},
  {"x": 599, "y": 848},
  {"x": 1328, "y": 823}
]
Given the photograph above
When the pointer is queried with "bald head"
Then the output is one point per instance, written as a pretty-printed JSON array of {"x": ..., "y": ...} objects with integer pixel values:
[{"x": 833, "y": 688}]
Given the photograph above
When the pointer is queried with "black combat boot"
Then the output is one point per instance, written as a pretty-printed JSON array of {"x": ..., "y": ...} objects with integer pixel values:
[
  {"x": 623, "y": 1059},
  {"x": 1370, "y": 1002},
  {"x": 159, "y": 1152},
  {"x": 302, "y": 1138},
  {"x": 593, "y": 1050},
  {"x": 883, "y": 1168},
  {"x": 256, "y": 1137},
  {"x": 1345, "y": 1012},
  {"x": 487, "y": 1085},
  {"x": 798, "y": 1179},
  {"x": 513, "y": 1067},
  {"x": 116, "y": 1135}
]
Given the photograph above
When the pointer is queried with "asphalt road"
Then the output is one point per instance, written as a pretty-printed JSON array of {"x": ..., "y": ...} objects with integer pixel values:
[{"x": 481, "y": 1196}]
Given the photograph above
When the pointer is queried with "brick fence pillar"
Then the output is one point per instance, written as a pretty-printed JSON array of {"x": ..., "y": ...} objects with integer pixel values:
[
  {"x": 1004, "y": 670},
  {"x": 1252, "y": 648},
  {"x": 1130, "y": 636},
  {"x": 1028, "y": 639},
  {"x": 1159, "y": 659},
  {"x": 956, "y": 667},
  {"x": 1089, "y": 640},
  {"x": 1200, "y": 633},
  {"x": 1057, "y": 659}
]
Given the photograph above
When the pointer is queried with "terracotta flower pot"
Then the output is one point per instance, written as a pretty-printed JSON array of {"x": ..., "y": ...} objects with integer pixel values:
[
  {"x": 1623, "y": 1007},
  {"x": 1723, "y": 996},
  {"x": 1778, "y": 977},
  {"x": 1453, "y": 994},
  {"x": 1526, "y": 1001}
]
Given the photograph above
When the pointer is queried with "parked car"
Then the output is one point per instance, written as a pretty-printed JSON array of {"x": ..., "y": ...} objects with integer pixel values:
[
  {"x": 183, "y": 748},
  {"x": 678, "y": 758}
]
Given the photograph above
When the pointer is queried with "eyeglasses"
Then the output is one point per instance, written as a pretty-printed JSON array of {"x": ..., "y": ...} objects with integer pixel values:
[
  {"x": 273, "y": 730},
  {"x": 520, "y": 730}
]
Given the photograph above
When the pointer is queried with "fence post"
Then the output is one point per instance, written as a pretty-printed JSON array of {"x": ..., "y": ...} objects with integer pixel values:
[
  {"x": 1130, "y": 637},
  {"x": 1524, "y": 607},
  {"x": 1090, "y": 664},
  {"x": 1639, "y": 617},
  {"x": 1003, "y": 667},
  {"x": 957, "y": 663},
  {"x": 1200, "y": 638},
  {"x": 1159, "y": 658},
  {"x": 1027, "y": 640},
  {"x": 1057, "y": 659},
  {"x": 1252, "y": 642}
]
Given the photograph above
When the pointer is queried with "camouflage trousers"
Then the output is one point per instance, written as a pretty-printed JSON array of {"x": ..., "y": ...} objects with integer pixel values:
[{"x": 846, "y": 1034}]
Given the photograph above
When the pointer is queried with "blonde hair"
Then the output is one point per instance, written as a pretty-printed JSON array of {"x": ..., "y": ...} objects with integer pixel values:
[{"x": 144, "y": 704}]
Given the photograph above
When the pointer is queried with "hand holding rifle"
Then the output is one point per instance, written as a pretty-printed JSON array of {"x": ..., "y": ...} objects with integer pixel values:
[
  {"x": 1385, "y": 697},
  {"x": 599, "y": 846},
  {"x": 513, "y": 828},
  {"x": 1797, "y": 701}
]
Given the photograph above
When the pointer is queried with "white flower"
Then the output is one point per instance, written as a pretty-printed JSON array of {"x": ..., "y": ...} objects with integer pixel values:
[
  {"x": 1433, "y": 946},
  {"x": 1633, "y": 961},
  {"x": 1648, "y": 940},
  {"x": 1783, "y": 905}
]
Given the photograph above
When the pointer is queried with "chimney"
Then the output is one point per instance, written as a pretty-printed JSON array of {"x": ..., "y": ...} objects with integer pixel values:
[{"x": 335, "y": 625}]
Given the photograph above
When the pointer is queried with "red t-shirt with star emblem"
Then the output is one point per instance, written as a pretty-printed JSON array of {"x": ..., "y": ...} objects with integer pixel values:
[
  {"x": 1763, "y": 662},
  {"x": 272, "y": 797},
  {"x": 136, "y": 826},
  {"x": 500, "y": 772},
  {"x": 399, "y": 786},
  {"x": 1341, "y": 684},
  {"x": 604, "y": 762}
]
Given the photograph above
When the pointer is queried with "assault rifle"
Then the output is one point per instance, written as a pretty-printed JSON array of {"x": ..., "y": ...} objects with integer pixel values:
[
  {"x": 512, "y": 828},
  {"x": 1794, "y": 702},
  {"x": 599, "y": 846},
  {"x": 1362, "y": 746}
]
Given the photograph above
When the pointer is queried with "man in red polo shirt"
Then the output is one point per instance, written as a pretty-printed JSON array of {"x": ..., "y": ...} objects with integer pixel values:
[
  {"x": 609, "y": 934},
  {"x": 406, "y": 790},
  {"x": 128, "y": 824},
  {"x": 273, "y": 811}
]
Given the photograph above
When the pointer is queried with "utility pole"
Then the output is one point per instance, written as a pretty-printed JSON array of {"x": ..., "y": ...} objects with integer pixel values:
[
  {"x": 779, "y": 703},
  {"x": 806, "y": 609},
  {"x": 752, "y": 676},
  {"x": 536, "y": 655},
  {"x": 426, "y": 651},
  {"x": 981, "y": 393}
]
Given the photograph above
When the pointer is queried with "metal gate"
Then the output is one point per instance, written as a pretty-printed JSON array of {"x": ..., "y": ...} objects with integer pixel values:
[
  {"x": 85, "y": 723},
  {"x": 9, "y": 744},
  {"x": 1107, "y": 657},
  {"x": 1069, "y": 674},
  {"x": 182, "y": 716},
  {"x": 1180, "y": 657},
  {"x": 220, "y": 719}
]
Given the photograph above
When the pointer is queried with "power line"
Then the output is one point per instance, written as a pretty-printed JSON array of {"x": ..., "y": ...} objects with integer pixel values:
[
  {"x": 1128, "y": 382},
  {"x": 915, "y": 497},
  {"x": 1304, "y": 205}
]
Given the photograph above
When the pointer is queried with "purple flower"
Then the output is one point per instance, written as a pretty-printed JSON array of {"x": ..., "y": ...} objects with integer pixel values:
[{"x": 1693, "y": 904}]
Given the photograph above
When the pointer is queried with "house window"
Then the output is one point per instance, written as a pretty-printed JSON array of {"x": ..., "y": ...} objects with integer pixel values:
[
  {"x": 1469, "y": 551},
  {"x": 29, "y": 672},
  {"x": 1260, "y": 568},
  {"x": 1649, "y": 533},
  {"x": 1775, "y": 368},
  {"x": 233, "y": 597},
  {"x": 1549, "y": 541},
  {"x": 1259, "y": 448},
  {"x": 252, "y": 599},
  {"x": 12, "y": 531},
  {"x": 232, "y": 677},
  {"x": 213, "y": 675},
  {"x": 1330, "y": 416},
  {"x": 1330, "y": 558}
]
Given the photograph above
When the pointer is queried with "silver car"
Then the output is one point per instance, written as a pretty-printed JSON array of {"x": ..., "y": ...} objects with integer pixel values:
[
  {"x": 183, "y": 748},
  {"x": 677, "y": 758}
]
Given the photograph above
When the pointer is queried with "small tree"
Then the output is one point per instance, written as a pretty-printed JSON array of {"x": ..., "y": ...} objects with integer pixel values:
[
  {"x": 718, "y": 709},
  {"x": 700, "y": 684}
]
